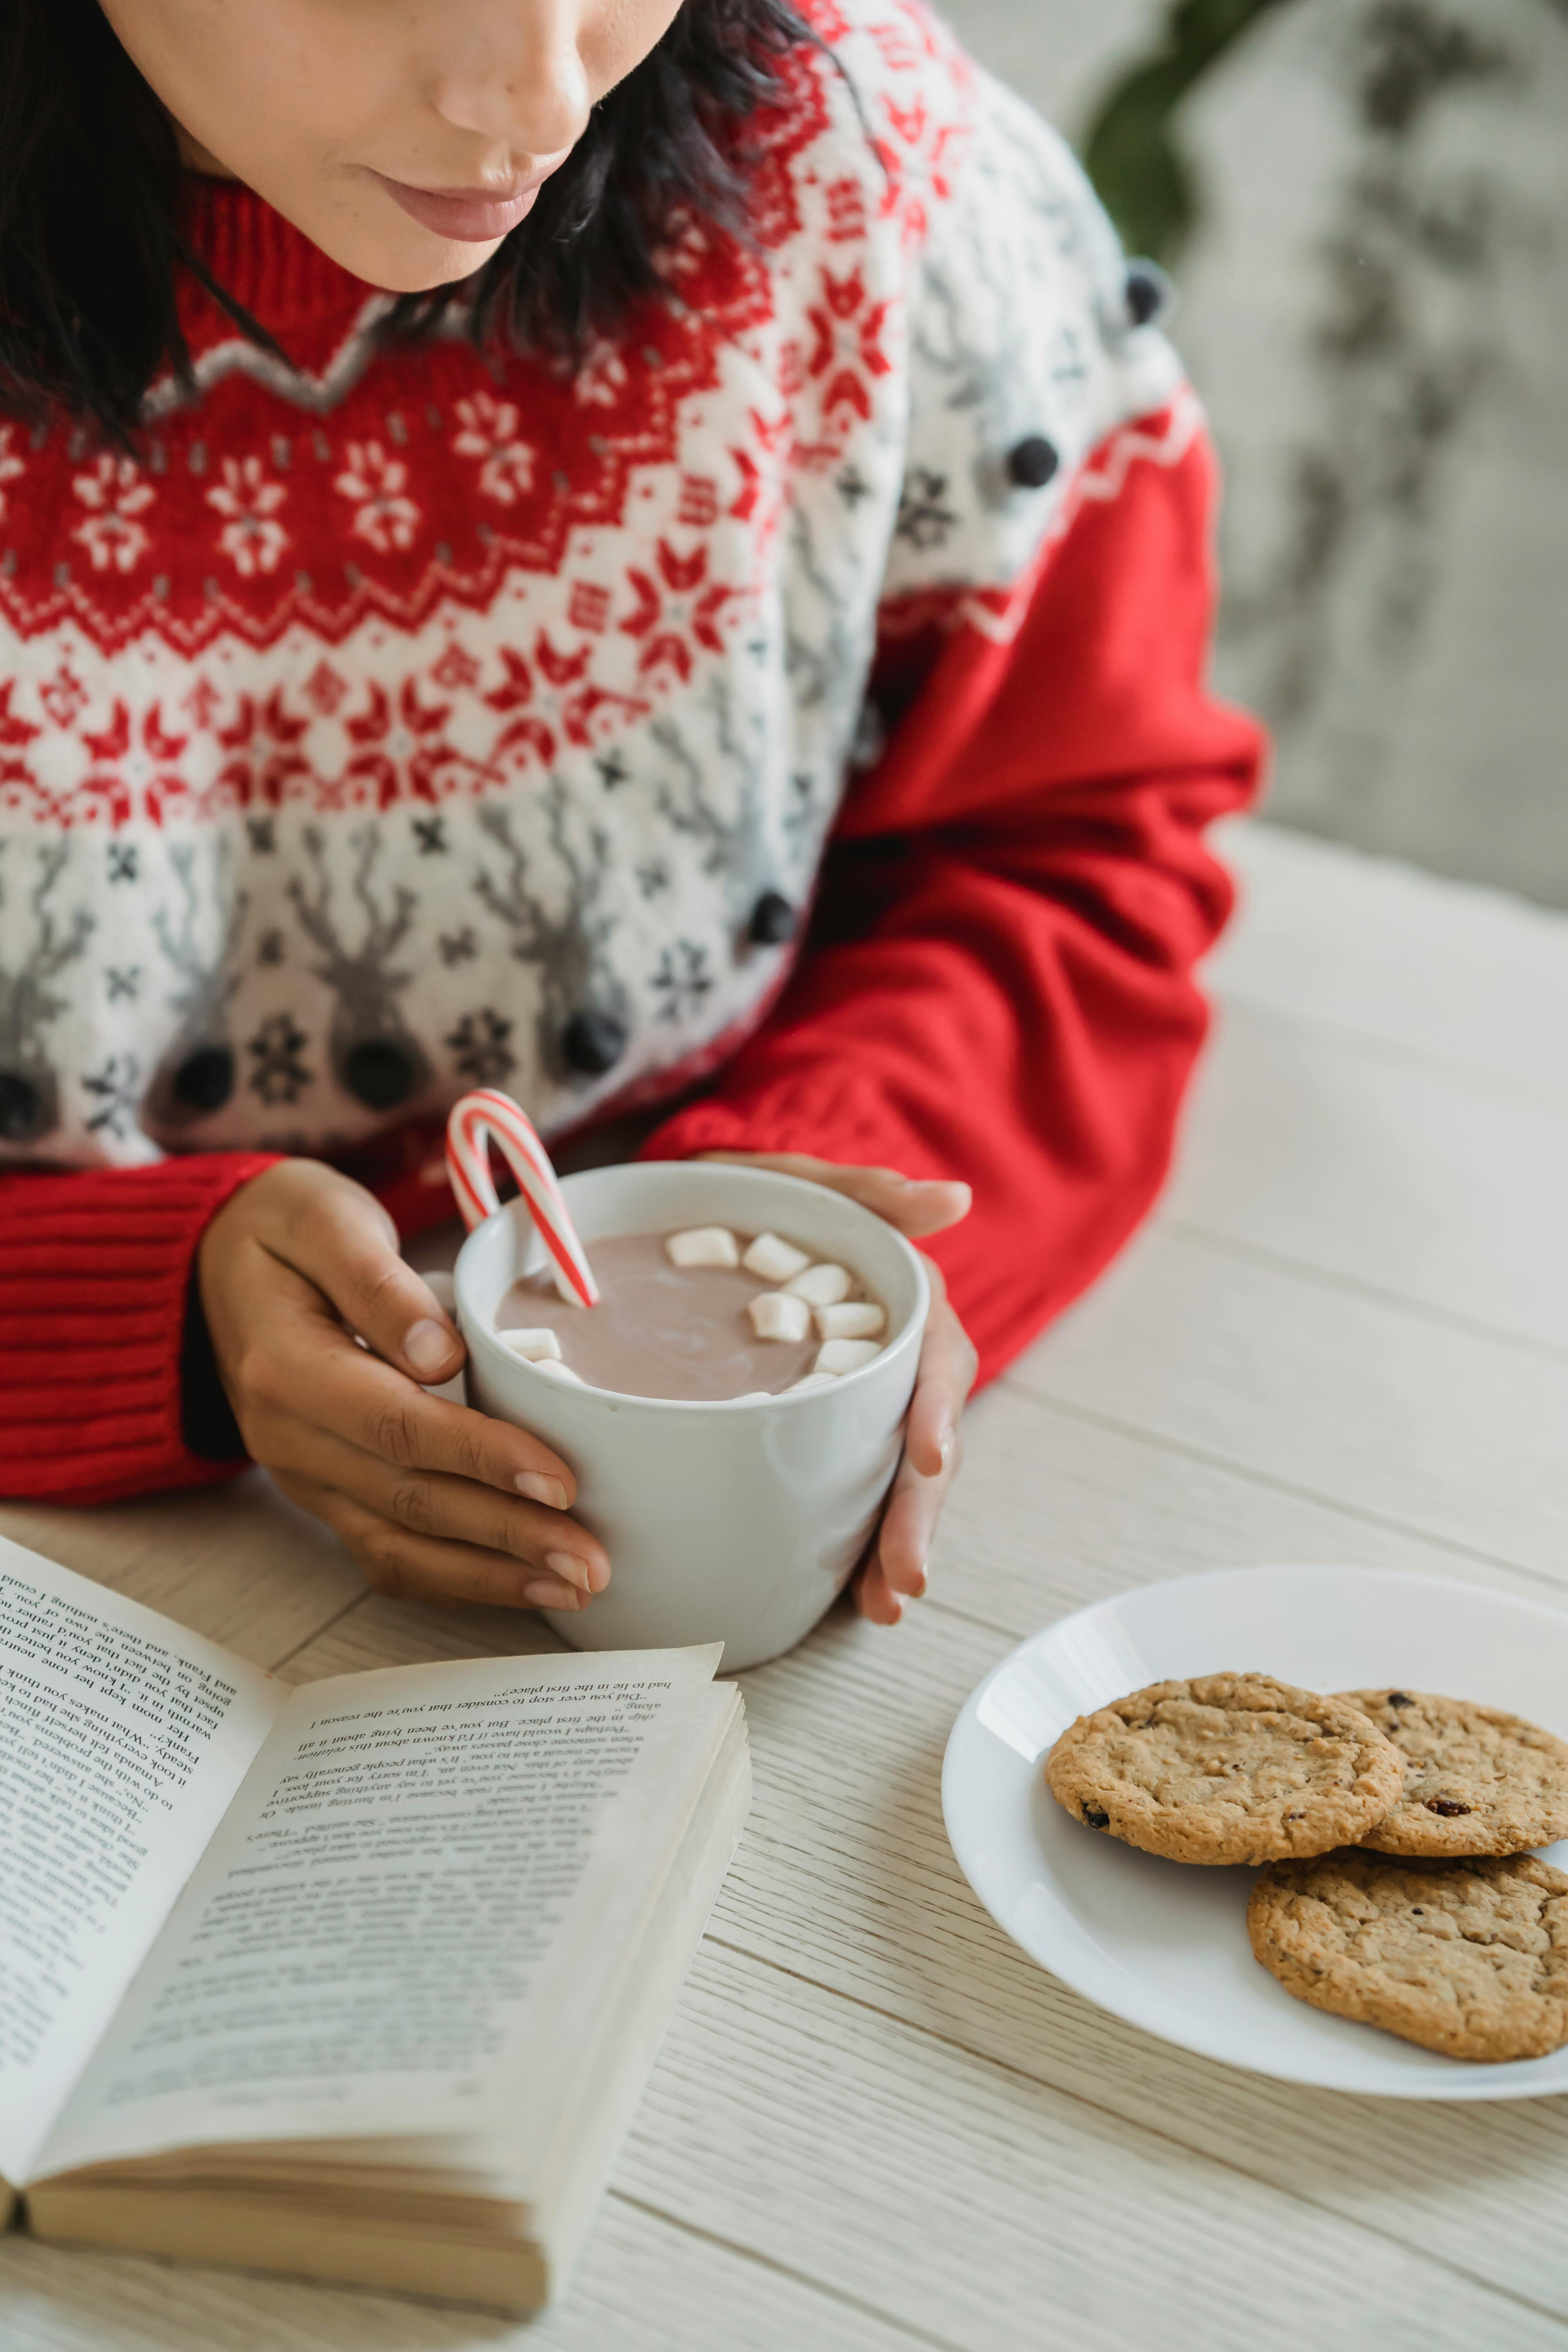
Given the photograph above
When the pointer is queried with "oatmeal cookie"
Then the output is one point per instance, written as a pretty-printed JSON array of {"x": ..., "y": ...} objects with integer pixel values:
[
  {"x": 1466, "y": 1957},
  {"x": 1475, "y": 1780},
  {"x": 1231, "y": 1767}
]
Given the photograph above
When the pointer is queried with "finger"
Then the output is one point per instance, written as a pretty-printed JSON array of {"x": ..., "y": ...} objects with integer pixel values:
[
  {"x": 909, "y": 1526},
  {"x": 874, "y": 1598},
  {"x": 946, "y": 1374},
  {"x": 305, "y": 1370},
  {"x": 451, "y": 1509},
  {"x": 914, "y": 1206},
  {"x": 407, "y": 1566},
  {"x": 344, "y": 1242}
]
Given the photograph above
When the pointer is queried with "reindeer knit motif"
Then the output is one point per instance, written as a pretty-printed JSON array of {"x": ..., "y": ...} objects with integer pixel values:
[{"x": 413, "y": 718}]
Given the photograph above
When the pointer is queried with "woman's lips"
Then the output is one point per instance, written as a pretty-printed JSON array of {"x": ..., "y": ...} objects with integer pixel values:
[{"x": 466, "y": 215}]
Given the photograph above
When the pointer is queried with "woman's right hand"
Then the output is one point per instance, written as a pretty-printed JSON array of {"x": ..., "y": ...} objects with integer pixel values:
[{"x": 436, "y": 1503}]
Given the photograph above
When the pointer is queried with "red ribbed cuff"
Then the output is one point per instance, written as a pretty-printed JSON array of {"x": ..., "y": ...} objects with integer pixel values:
[{"x": 94, "y": 1271}]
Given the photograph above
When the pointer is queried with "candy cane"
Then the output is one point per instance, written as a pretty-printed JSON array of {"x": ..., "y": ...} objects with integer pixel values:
[{"x": 473, "y": 1121}]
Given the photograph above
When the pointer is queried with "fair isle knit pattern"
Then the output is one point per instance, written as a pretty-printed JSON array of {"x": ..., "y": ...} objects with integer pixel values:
[{"x": 414, "y": 719}]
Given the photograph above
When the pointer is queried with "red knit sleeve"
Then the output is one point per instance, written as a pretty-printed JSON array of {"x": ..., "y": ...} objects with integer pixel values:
[
  {"x": 94, "y": 1272},
  {"x": 999, "y": 980}
]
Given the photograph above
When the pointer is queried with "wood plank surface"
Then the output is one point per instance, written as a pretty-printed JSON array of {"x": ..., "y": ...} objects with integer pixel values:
[
  {"x": 1468, "y": 980},
  {"x": 966, "y": 2199},
  {"x": 1443, "y": 1432},
  {"x": 1388, "y": 1176},
  {"x": 1054, "y": 1511}
]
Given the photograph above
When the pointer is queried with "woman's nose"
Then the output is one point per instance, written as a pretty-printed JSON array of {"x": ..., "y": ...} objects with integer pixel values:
[{"x": 512, "y": 72}]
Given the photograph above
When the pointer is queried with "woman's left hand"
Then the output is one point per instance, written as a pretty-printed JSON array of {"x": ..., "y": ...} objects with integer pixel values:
[{"x": 895, "y": 1565}]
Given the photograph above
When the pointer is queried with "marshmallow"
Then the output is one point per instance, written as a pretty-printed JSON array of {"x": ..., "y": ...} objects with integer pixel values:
[
  {"x": 837, "y": 1357},
  {"x": 857, "y": 1319},
  {"x": 534, "y": 1345},
  {"x": 822, "y": 1286},
  {"x": 559, "y": 1371},
  {"x": 775, "y": 1316},
  {"x": 775, "y": 1260},
  {"x": 702, "y": 1246},
  {"x": 811, "y": 1380}
]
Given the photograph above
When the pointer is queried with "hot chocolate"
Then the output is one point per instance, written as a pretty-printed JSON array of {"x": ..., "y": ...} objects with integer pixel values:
[{"x": 696, "y": 1315}]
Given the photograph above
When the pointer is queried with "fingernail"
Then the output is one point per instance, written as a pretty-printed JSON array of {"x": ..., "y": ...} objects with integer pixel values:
[
  {"x": 945, "y": 1448},
  {"x": 426, "y": 1347},
  {"x": 541, "y": 1489},
  {"x": 546, "y": 1592},
  {"x": 575, "y": 1572}
]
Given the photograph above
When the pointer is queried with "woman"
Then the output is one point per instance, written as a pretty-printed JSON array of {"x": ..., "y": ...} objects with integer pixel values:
[{"x": 662, "y": 564}]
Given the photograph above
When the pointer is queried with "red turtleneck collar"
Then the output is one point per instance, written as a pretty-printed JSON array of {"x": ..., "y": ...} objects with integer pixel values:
[{"x": 303, "y": 299}]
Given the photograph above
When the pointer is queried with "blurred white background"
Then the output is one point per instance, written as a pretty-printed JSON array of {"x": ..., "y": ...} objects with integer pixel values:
[{"x": 1374, "y": 306}]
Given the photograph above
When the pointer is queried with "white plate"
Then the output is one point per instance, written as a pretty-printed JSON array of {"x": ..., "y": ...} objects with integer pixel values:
[{"x": 1164, "y": 1944}]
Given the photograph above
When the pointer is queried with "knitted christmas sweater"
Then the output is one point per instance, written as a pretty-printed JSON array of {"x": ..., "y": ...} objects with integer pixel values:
[{"x": 796, "y": 715}]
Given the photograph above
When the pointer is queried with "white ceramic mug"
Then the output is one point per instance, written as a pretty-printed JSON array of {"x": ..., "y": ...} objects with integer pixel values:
[{"x": 734, "y": 1521}]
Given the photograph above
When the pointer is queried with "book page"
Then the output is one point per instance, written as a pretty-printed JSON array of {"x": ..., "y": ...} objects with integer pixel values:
[
  {"x": 122, "y": 1739},
  {"x": 429, "y": 1869}
]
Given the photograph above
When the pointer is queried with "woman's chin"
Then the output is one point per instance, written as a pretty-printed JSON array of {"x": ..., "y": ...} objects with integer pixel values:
[
  {"x": 457, "y": 262},
  {"x": 442, "y": 261},
  {"x": 395, "y": 255}
]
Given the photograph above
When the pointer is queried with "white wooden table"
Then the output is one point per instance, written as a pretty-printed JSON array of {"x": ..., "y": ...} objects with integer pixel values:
[{"x": 874, "y": 2123}]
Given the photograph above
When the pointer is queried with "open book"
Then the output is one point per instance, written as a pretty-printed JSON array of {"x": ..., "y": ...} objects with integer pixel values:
[{"x": 361, "y": 1981}]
